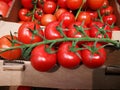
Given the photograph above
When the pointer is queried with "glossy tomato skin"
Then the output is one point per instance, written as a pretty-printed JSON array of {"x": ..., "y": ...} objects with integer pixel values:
[
  {"x": 3, "y": 8},
  {"x": 27, "y": 4},
  {"x": 24, "y": 88},
  {"x": 41, "y": 60},
  {"x": 74, "y": 4},
  {"x": 26, "y": 36},
  {"x": 67, "y": 58},
  {"x": 51, "y": 31},
  {"x": 93, "y": 60},
  {"x": 49, "y": 7},
  {"x": 95, "y": 4},
  {"x": 23, "y": 14},
  {"x": 11, "y": 54},
  {"x": 47, "y": 18},
  {"x": 67, "y": 18}
]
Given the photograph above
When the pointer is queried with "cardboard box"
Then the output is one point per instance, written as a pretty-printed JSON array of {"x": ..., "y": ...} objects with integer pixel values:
[{"x": 105, "y": 77}]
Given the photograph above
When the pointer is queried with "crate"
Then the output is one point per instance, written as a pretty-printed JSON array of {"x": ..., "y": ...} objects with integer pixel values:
[{"x": 105, "y": 77}]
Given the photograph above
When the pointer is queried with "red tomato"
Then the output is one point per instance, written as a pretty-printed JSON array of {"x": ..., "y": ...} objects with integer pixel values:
[
  {"x": 51, "y": 31},
  {"x": 3, "y": 8},
  {"x": 47, "y": 18},
  {"x": 95, "y": 4},
  {"x": 49, "y": 7},
  {"x": 23, "y": 15},
  {"x": 67, "y": 18},
  {"x": 67, "y": 58},
  {"x": 59, "y": 12},
  {"x": 110, "y": 19},
  {"x": 41, "y": 60},
  {"x": 105, "y": 4},
  {"x": 106, "y": 11},
  {"x": 62, "y": 3},
  {"x": 11, "y": 54},
  {"x": 93, "y": 59},
  {"x": 38, "y": 13},
  {"x": 93, "y": 14},
  {"x": 84, "y": 16},
  {"x": 26, "y": 36},
  {"x": 74, "y": 4},
  {"x": 24, "y": 88},
  {"x": 27, "y": 4}
]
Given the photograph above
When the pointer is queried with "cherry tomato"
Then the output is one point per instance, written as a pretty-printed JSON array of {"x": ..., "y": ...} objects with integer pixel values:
[
  {"x": 49, "y": 7},
  {"x": 67, "y": 18},
  {"x": 51, "y": 31},
  {"x": 62, "y": 3},
  {"x": 74, "y": 4},
  {"x": 24, "y": 15},
  {"x": 84, "y": 17},
  {"x": 29, "y": 32},
  {"x": 47, "y": 18},
  {"x": 93, "y": 14},
  {"x": 38, "y": 13},
  {"x": 93, "y": 59},
  {"x": 3, "y": 8},
  {"x": 24, "y": 88},
  {"x": 95, "y": 4},
  {"x": 105, "y": 4},
  {"x": 106, "y": 11},
  {"x": 110, "y": 19},
  {"x": 27, "y": 4},
  {"x": 41, "y": 60},
  {"x": 67, "y": 58},
  {"x": 11, "y": 54}
]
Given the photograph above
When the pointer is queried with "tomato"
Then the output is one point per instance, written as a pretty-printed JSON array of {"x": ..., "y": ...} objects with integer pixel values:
[
  {"x": 62, "y": 3},
  {"x": 93, "y": 14},
  {"x": 105, "y": 4},
  {"x": 49, "y": 7},
  {"x": 109, "y": 19},
  {"x": 11, "y": 54},
  {"x": 66, "y": 57},
  {"x": 27, "y": 4},
  {"x": 7, "y": 1},
  {"x": 29, "y": 32},
  {"x": 95, "y": 4},
  {"x": 74, "y": 4},
  {"x": 23, "y": 15},
  {"x": 84, "y": 16},
  {"x": 47, "y": 18},
  {"x": 59, "y": 12},
  {"x": 106, "y": 11},
  {"x": 94, "y": 30},
  {"x": 41, "y": 60},
  {"x": 67, "y": 18},
  {"x": 51, "y": 31},
  {"x": 93, "y": 59},
  {"x": 115, "y": 28},
  {"x": 24, "y": 88},
  {"x": 73, "y": 33},
  {"x": 38, "y": 13},
  {"x": 3, "y": 8}
]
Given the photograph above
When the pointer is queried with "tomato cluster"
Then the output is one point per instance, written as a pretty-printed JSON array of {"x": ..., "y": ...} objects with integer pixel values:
[{"x": 65, "y": 32}]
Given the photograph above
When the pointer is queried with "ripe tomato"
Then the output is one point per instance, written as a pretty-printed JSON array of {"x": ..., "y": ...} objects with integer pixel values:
[
  {"x": 3, "y": 8},
  {"x": 110, "y": 19},
  {"x": 59, "y": 12},
  {"x": 24, "y": 88},
  {"x": 41, "y": 60},
  {"x": 67, "y": 58},
  {"x": 84, "y": 16},
  {"x": 27, "y": 4},
  {"x": 74, "y": 4},
  {"x": 23, "y": 15},
  {"x": 93, "y": 14},
  {"x": 106, "y": 11},
  {"x": 51, "y": 31},
  {"x": 95, "y": 4},
  {"x": 62, "y": 3},
  {"x": 67, "y": 18},
  {"x": 49, "y": 7},
  {"x": 11, "y": 54},
  {"x": 93, "y": 60},
  {"x": 38, "y": 13},
  {"x": 29, "y": 32},
  {"x": 105, "y": 4},
  {"x": 47, "y": 18}
]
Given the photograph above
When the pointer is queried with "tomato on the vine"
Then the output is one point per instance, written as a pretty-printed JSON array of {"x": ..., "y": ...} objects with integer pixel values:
[
  {"x": 62, "y": 3},
  {"x": 93, "y": 59},
  {"x": 38, "y": 13},
  {"x": 66, "y": 57},
  {"x": 41, "y": 60},
  {"x": 27, "y": 4},
  {"x": 10, "y": 54},
  {"x": 30, "y": 32}
]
